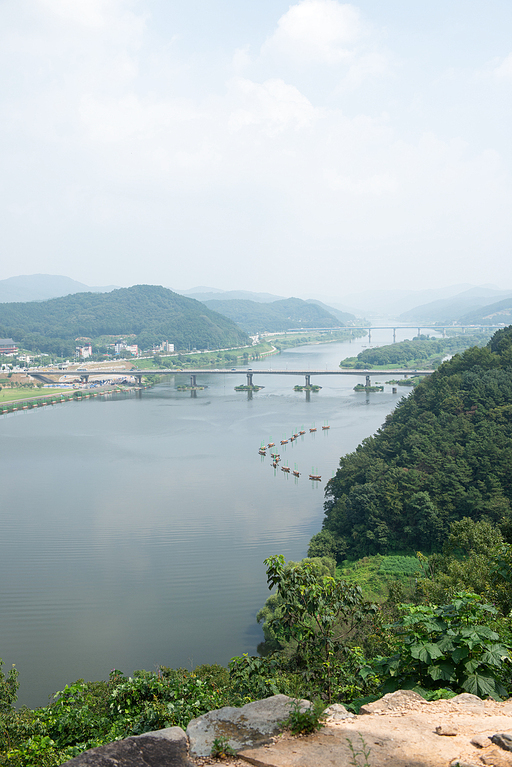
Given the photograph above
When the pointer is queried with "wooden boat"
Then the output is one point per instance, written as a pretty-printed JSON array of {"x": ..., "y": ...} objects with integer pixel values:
[
  {"x": 325, "y": 428},
  {"x": 285, "y": 468},
  {"x": 296, "y": 473},
  {"x": 274, "y": 464},
  {"x": 302, "y": 432},
  {"x": 295, "y": 436},
  {"x": 261, "y": 451},
  {"x": 313, "y": 429},
  {"x": 284, "y": 442},
  {"x": 315, "y": 477},
  {"x": 271, "y": 444}
]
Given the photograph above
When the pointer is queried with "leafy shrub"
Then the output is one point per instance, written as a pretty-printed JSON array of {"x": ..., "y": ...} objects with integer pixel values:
[
  {"x": 303, "y": 721},
  {"x": 450, "y": 646}
]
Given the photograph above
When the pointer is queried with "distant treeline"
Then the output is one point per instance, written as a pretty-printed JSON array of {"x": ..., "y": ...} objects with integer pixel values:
[
  {"x": 149, "y": 313},
  {"x": 420, "y": 349},
  {"x": 277, "y": 316}
]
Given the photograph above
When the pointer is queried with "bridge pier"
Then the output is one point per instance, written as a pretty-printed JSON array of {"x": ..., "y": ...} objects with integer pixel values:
[
  {"x": 368, "y": 382},
  {"x": 84, "y": 378},
  {"x": 193, "y": 379},
  {"x": 369, "y": 336},
  {"x": 394, "y": 335},
  {"x": 419, "y": 332},
  {"x": 138, "y": 379},
  {"x": 249, "y": 379},
  {"x": 308, "y": 379}
]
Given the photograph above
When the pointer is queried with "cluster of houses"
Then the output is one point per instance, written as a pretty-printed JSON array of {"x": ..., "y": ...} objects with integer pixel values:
[{"x": 9, "y": 348}]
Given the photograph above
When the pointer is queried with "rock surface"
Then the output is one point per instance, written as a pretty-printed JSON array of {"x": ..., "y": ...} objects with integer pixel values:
[
  {"x": 400, "y": 732},
  {"x": 253, "y": 724},
  {"x": 153, "y": 749}
]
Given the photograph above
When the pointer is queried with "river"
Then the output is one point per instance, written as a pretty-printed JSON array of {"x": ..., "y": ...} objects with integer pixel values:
[{"x": 134, "y": 529}]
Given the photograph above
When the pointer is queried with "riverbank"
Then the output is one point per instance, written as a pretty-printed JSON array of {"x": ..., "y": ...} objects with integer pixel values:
[{"x": 58, "y": 396}]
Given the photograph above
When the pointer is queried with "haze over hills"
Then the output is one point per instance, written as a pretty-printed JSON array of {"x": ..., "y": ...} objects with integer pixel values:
[
  {"x": 39, "y": 287},
  {"x": 214, "y": 294},
  {"x": 491, "y": 314},
  {"x": 454, "y": 308},
  {"x": 392, "y": 303},
  {"x": 256, "y": 317},
  {"x": 149, "y": 314}
]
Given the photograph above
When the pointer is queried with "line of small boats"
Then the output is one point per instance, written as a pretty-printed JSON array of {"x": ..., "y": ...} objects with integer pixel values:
[{"x": 276, "y": 458}]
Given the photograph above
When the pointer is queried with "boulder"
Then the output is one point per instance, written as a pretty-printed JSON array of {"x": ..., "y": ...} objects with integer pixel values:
[
  {"x": 392, "y": 701},
  {"x": 163, "y": 748},
  {"x": 252, "y": 725},
  {"x": 336, "y": 712}
]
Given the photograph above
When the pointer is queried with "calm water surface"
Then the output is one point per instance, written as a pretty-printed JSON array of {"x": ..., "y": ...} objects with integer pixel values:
[{"x": 133, "y": 530}]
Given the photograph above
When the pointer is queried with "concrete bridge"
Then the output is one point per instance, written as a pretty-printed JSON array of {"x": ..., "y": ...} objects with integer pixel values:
[
  {"x": 138, "y": 374},
  {"x": 369, "y": 328}
]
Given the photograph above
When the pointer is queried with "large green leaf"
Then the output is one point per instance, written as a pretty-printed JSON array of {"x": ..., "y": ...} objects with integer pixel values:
[
  {"x": 480, "y": 684},
  {"x": 495, "y": 654},
  {"x": 459, "y": 654},
  {"x": 443, "y": 670},
  {"x": 426, "y": 652}
]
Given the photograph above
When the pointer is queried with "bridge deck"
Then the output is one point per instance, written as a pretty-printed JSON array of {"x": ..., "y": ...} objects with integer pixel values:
[{"x": 238, "y": 371}]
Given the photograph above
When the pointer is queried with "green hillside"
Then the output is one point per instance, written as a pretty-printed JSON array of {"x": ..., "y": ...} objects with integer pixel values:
[
  {"x": 492, "y": 314},
  {"x": 255, "y": 317},
  {"x": 444, "y": 454},
  {"x": 148, "y": 313},
  {"x": 427, "y": 352}
]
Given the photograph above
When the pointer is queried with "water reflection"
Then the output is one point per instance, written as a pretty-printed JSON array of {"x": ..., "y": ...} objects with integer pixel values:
[{"x": 141, "y": 534}]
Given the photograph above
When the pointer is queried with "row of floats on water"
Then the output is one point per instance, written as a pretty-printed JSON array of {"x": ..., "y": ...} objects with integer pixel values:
[{"x": 276, "y": 457}]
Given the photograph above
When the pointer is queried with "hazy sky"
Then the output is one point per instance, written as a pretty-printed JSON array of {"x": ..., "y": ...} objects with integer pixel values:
[{"x": 312, "y": 147}]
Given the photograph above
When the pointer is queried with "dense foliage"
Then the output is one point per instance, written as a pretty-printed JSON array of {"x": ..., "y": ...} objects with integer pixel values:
[
  {"x": 422, "y": 350},
  {"x": 443, "y": 455},
  {"x": 149, "y": 313},
  {"x": 256, "y": 317}
]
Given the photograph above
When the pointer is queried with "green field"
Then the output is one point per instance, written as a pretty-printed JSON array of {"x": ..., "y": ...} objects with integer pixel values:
[
  {"x": 215, "y": 359},
  {"x": 14, "y": 395},
  {"x": 375, "y": 574}
]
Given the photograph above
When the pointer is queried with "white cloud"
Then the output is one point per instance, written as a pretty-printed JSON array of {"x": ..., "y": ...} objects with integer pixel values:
[
  {"x": 323, "y": 31},
  {"x": 505, "y": 68},
  {"x": 273, "y": 106}
]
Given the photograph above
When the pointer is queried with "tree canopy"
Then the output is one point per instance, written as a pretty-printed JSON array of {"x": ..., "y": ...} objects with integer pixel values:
[
  {"x": 444, "y": 454},
  {"x": 150, "y": 313}
]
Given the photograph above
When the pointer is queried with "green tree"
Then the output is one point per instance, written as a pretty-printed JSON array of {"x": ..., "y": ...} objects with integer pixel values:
[{"x": 318, "y": 613}]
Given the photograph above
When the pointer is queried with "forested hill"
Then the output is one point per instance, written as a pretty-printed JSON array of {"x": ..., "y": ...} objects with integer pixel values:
[
  {"x": 256, "y": 317},
  {"x": 149, "y": 312},
  {"x": 445, "y": 453}
]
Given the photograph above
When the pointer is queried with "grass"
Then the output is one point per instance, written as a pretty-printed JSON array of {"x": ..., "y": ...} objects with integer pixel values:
[
  {"x": 217, "y": 359},
  {"x": 14, "y": 395},
  {"x": 374, "y": 574}
]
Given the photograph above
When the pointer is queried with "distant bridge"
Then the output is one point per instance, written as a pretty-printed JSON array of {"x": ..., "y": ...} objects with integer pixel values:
[
  {"x": 138, "y": 374},
  {"x": 438, "y": 328}
]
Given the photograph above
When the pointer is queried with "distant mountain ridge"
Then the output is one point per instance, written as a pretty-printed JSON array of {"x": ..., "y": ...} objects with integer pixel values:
[
  {"x": 149, "y": 314},
  {"x": 213, "y": 294},
  {"x": 40, "y": 287},
  {"x": 276, "y": 316},
  {"x": 454, "y": 308},
  {"x": 491, "y": 314}
]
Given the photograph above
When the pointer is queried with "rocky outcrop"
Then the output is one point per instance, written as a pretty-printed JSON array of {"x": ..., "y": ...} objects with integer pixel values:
[
  {"x": 252, "y": 725},
  {"x": 399, "y": 730},
  {"x": 153, "y": 749}
]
